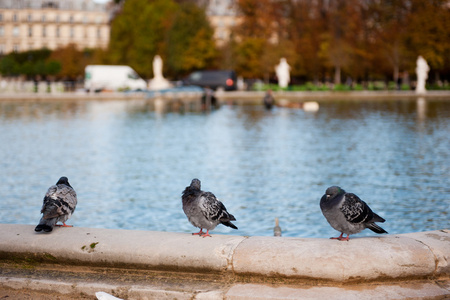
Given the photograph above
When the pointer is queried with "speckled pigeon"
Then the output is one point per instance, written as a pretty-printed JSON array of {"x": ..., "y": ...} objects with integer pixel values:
[
  {"x": 347, "y": 213},
  {"x": 59, "y": 204},
  {"x": 203, "y": 209}
]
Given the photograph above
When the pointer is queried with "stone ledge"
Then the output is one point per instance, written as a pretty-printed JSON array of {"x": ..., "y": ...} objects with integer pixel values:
[
  {"x": 66, "y": 290},
  {"x": 414, "y": 255}
]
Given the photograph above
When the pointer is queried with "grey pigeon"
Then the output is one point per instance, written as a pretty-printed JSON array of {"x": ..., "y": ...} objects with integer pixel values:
[
  {"x": 203, "y": 209},
  {"x": 347, "y": 213},
  {"x": 59, "y": 204}
]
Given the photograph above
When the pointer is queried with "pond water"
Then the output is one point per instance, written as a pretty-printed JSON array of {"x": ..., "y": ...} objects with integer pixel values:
[{"x": 129, "y": 164}]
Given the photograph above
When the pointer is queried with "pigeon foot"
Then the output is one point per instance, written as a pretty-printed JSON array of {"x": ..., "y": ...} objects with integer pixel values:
[
  {"x": 64, "y": 225},
  {"x": 205, "y": 234},
  {"x": 341, "y": 238},
  {"x": 200, "y": 233}
]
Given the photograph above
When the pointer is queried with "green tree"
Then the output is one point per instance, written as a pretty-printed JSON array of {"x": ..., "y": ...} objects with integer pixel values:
[
  {"x": 179, "y": 33},
  {"x": 9, "y": 66},
  {"x": 32, "y": 64},
  {"x": 190, "y": 41},
  {"x": 138, "y": 33}
]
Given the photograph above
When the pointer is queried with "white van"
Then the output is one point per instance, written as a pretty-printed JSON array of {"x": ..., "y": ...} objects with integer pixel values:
[{"x": 112, "y": 78}]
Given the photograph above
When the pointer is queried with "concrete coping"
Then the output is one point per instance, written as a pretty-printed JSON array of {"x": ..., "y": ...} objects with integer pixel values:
[{"x": 402, "y": 256}]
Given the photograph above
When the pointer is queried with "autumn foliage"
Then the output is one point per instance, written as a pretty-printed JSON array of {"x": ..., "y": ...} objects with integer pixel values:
[
  {"x": 322, "y": 40},
  {"x": 327, "y": 40}
]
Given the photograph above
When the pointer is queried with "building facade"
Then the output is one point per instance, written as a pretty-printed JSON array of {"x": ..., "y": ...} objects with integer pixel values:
[
  {"x": 35, "y": 24},
  {"x": 222, "y": 15}
]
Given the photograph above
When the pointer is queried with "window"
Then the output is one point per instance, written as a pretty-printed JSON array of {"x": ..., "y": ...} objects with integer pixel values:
[
  {"x": 2, "y": 48},
  {"x": 1, "y": 17},
  {"x": 16, "y": 31},
  {"x": 72, "y": 32},
  {"x": 99, "y": 33},
  {"x": 71, "y": 19},
  {"x": 2, "y": 31},
  {"x": 29, "y": 18},
  {"x": 44, "y": 31},
  {"x": 57, "y": 31},
  {"x": 57, "y": 19},
  {"x": 30, "y": 31},
  {"x": 44, "y": 18},
  {"x": 14, "y": 18},
  {"x": 16, "y": 48}
]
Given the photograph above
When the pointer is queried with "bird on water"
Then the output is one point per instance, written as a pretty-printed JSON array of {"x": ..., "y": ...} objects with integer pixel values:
[
  {"x": 59, "y": 204},
  {"x": 204, "y": 210},
  {"x": 347, "y": 213}
]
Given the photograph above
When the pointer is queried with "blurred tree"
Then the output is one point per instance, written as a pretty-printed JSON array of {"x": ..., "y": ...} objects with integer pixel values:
[
  {"x": 179, "y": 33},
  {"x": 33, "y": 64},
  {"x": 72, "y": 60},
  {"x": 138, "y": 33},
  {"x": 248, "y": 55},
  {"x": 9, "y": 66},
  {"x": 307, "y": 24},
  {"x": 261, "y": 38},
  {"x": 390, "y": 27},
  {"x": 341, "y": 34},
  {"x": 191, "y": 44},
  {"x": 428, "y": 33}
]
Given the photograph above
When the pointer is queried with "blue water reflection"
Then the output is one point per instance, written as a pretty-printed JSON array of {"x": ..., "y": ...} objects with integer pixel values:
[{"x": 129, "y": 164}]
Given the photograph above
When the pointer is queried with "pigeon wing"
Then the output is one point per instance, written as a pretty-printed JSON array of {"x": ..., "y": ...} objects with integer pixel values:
[
  {"x": 59, "y": 200},
  {"x": 214, "y": 209},
  {"x": 355, "y": 210}
]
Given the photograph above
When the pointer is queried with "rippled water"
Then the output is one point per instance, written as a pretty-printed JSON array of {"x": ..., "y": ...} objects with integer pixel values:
[{"x": 130, "y": 164}]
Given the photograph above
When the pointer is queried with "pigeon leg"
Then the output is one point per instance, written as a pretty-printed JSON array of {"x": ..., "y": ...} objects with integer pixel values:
[
  {"x": 338, "y": 238},
  {"x": 64, "y": 225},
  {"x": 206, "y": 234},
  {"x": 200, "y": 233},
  {"x": 345, "y": 238}
]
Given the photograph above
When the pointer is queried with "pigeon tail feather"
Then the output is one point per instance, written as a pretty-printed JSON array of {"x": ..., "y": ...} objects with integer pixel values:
[
  {"x": 377, "y": 218},
  {"x": 231, "y": 217},
  {"x": 229, "y": 224},
  {"x": 375, "y": 228},
  {"x": 46, "y": 225}
]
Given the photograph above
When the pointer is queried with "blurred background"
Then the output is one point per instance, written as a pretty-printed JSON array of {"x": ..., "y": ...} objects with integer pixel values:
[
  {"x": 329, "y": 44},
  {"x": 129, "y": 162}
]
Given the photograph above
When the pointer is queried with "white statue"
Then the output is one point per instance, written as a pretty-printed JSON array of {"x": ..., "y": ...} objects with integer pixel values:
[
  {"x": 282, "y": 70},
  {"x": 157, "y": 67},
  {"x": 158, "y": 82},
  {"x": 422, "y": 74}
]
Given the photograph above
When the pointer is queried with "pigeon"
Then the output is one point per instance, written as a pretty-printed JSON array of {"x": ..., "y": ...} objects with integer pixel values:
[
  {"x": 347, "y": 213},
  {"x": 203, "y": 209},
  {"x": 59, "y": 204}
]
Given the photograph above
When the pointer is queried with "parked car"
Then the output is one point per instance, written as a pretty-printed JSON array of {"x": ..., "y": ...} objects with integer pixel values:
[{"x": 213, "y": 79}]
